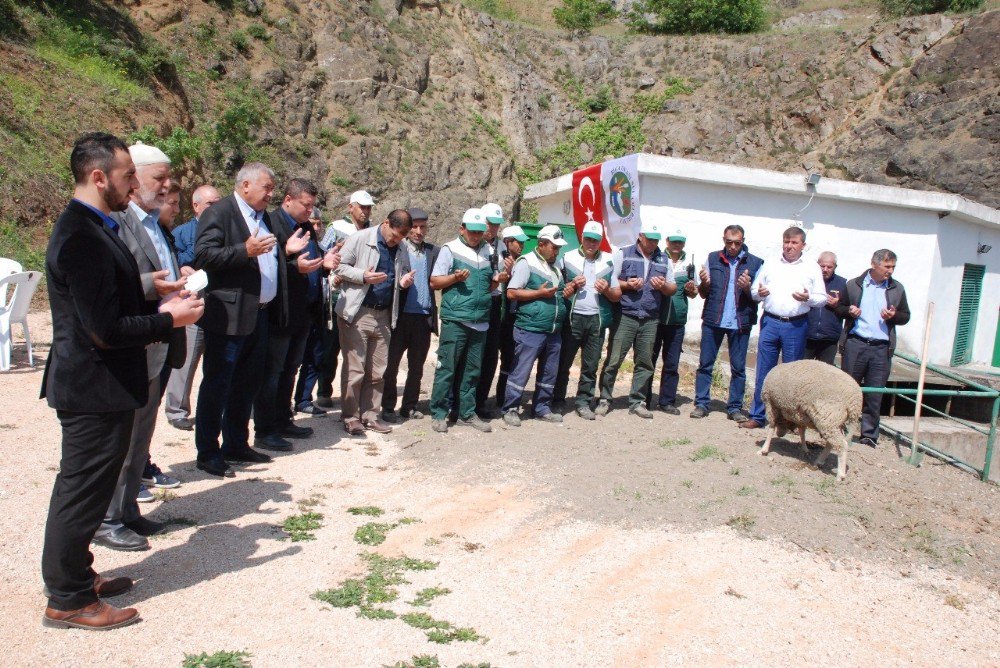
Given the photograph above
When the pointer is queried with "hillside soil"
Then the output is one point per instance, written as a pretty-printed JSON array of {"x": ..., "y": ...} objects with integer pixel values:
[{"x": 617, "y": 542}]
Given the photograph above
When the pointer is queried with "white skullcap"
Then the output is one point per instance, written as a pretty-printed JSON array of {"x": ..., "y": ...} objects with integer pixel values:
[{"x": 144, "y": 154}]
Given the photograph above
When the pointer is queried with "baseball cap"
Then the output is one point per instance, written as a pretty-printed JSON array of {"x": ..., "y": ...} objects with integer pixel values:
[
  {"x": 144, "y": 154},
  {"x": 361, "y": 197},
  {"x": 514, "y": 232},
  {"x": 552, "y": 233},
  {"x": 474, "y": 221},
  {"x": 650, "y": 230},
  {"x": 493, "y": 213},
  {"x": 416, "y": 213},
  {"x": 677, "y": 236},
  {"x": 593, "y": 230}
]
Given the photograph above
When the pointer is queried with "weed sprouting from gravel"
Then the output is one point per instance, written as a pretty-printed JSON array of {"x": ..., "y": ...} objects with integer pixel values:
[
  {"x": 423, "y": 621},
  {"x": 377, "y": 586},
  {"x": 745, "y": 490},
  {"x": 372, "y": 533},
  {"x": 954, "y": 601},
  {"x": 376, "y": 613},
  {"x": 687, "y": 483},
  {"x": 417, "y": 661},
  {"x": 445, "y": 636},
  {"x": 734, "y": 470},
  {"x": 668, "y": 443},
  {"x": 311, "y": 502},
  {"x": 425, "y": 596},
  {"x": 220, "y": 659},
  {"x": 300, "y": 527},
  {"x": 784, "y": 481},
  {"x": 164, "y": 495},
  {"x": 743, "y": 523},
  {"x": 370, "y": 511},
  {"x": 707, "y": 452}
]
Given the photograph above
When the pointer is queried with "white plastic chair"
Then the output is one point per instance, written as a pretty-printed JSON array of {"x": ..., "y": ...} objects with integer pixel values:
[
  {"x": 16, "y": 313},
  {"x": 8, "y": 267}
]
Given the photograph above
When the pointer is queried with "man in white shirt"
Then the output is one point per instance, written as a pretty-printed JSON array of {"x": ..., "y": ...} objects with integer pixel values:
[{"x": 789, "y": 287}]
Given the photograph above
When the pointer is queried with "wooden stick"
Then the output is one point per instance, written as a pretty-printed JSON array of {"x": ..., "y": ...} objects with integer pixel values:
[{"x": 915, "y": 454}]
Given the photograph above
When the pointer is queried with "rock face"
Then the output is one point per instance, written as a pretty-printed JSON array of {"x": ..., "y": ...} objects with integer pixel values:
[{"x": 430, "y": 103}]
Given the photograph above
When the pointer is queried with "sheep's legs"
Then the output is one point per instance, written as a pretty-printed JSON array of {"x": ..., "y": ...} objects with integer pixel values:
[
  {"x": 766, "y": 448},
  {"x": 802, "y": 441}
]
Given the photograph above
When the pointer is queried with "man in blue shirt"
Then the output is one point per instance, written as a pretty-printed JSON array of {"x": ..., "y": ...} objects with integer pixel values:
[
  {"x": 825, "y": 325},
  {"x": 872, "y": 305},
  {"x": 177, "y": 399},
  {"x": 729, "y": 313},
  {"x": 417, "y": 320}
]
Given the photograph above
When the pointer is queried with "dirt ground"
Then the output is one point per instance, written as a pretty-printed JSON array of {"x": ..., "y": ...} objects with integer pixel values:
[{"x": 621, "y": 542}]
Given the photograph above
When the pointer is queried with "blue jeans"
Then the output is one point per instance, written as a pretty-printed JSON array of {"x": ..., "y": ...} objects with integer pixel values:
[
  {"x": 319, "y": 360},
  {"x": 711, "y": 342},
  {"x": 776, "y": 336},
  {"x": 233, "y": 368},
  {"x": 528, "y": 347}
]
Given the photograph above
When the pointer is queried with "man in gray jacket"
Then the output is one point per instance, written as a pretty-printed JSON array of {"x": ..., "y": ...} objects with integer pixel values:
[{"x": 373, "y": 273}]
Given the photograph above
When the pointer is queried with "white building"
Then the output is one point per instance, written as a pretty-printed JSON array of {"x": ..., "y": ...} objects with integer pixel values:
[{"x": 943, "y": 241}]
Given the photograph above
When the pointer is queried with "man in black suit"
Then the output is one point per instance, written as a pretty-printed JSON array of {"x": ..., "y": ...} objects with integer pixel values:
[
  {"x": 303, "y": 295},
  {"x": 124, "y": 527},
  {"x": 95, "y": 376},
  {"x": 246, "y": 262}
]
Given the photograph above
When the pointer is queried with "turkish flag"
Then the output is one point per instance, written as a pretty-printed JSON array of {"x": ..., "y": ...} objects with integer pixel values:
[{"x": 588, "y": 201}]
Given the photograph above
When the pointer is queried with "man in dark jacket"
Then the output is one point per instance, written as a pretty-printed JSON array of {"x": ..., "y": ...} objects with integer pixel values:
[
  {"x": 872, "y": 306},
  {"x": 95, "y": 376},
  {"x": 729, "y": 313},
  {"x": 825, "y": 325},
  {"x": 303, "y": 298}
]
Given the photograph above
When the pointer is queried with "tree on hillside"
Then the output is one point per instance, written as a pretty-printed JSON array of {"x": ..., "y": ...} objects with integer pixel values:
[{"x": 699, "y": 16}]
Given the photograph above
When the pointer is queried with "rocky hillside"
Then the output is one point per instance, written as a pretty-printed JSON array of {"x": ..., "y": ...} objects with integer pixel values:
[{"x": 433, "y": 103}]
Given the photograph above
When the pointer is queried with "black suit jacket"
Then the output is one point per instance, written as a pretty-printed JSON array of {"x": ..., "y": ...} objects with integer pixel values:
[
  {"x": 100, "y": 324},
  {"x": 296, "y": 288},
  {"x": 232, "y": 298},
  {"x": 137, "y": 240}
]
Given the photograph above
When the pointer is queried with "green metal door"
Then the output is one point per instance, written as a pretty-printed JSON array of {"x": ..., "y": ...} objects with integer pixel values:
[
  {"x": 996, "y": 345},
  {"x": 968, "y": 309}
]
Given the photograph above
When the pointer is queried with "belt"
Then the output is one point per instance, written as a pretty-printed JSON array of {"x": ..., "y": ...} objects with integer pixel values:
[
  {"x": 782, "y": 318},
  {"x": 870, "y": 342},
  {"x": 263, "y": 306},
  {"x": 381, "y": 307}
]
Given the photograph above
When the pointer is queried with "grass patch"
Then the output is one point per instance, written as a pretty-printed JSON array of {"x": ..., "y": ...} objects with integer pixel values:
[
  {"x": 350, "y": 593},
  {"x": 743, "y": 523},
  {"x": 687, "y": 483},
  {"x": 372, "y": 533},
  {"x": 221, "y": 659},
  {"x": 499, "y": 9},
  {"x": 954, "y": 601},
  {"x": 707, "y": 452},
  {"x": 784, "y": 481},
  {"x": 370, "y": 511},
  {"x": 668, "y": 443},
  {"x": 745, "y": 490},
  {"x": 417, "y": 661},
  {"x": 300, "y": 527},
  {"x": 425, "y": 596}
]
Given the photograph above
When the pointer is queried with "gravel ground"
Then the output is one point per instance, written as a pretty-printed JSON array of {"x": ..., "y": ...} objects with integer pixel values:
[{"x": 586, "y": 544}]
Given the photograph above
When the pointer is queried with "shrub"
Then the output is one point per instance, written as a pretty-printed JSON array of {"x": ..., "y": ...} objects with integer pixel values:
[
  {"x": 700, "y": 16},
  {"x": 913, "y": 7},
  {"x": 583, "y": 14}
]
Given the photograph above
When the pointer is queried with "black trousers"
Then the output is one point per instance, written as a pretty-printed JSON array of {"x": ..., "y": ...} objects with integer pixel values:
[
  {"x": 94, "y": 446},
  {"x": 412, "y": 336},
  {"x": 869, "y": 365},
  {"x": 491, "y": 357},
  {"x": 824, "y": 350},
  {"x": 506, "y": 356},
  {"x": 272, "y": 408}
]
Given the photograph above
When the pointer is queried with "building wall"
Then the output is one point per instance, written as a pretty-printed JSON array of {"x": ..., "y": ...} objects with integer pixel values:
[{"x": 930, "y": 265}]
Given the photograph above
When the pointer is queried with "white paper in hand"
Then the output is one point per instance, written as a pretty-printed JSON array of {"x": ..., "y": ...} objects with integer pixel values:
[{"x": 197, "y": 281}]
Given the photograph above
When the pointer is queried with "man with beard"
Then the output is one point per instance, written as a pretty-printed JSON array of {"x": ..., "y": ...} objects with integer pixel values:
[
  {"x": 825, "y": 325},
  {"x": 95, "y": 376}
]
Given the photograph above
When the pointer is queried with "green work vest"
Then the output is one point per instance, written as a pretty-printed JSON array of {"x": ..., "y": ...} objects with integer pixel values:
[
  {"x": 675, "y": 309},
  {"x": 468, "y": 300},
  {"x": 573, "y": 263},
  {"x": 541, "y": 315}
]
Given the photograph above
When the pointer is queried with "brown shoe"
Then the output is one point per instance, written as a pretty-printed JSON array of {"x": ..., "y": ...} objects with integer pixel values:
[
  {"x": 378, "y": 427},
  {"x": 106, "y": 588},
  {"x": 97, "y": 616},
  {"x": 751, "y": 424},
  {"x": 354, "y": 427}
]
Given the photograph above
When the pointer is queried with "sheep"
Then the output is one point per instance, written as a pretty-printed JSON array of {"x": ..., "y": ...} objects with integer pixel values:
[{"x": 813, "y": 394}]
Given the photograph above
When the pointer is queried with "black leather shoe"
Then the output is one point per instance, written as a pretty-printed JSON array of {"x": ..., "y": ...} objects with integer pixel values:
[
  {"x": 269, "y": 442},
  {"x": 184, "y": 424},
  {"x": 122, "y": 539},
  {"x": 215, "y": 467},
  {"x": 292, "y": 430},
  {"x": 248, "y": 456},
  {"x": 145, "y": 527},
  {"x": 323, "y": 402}
]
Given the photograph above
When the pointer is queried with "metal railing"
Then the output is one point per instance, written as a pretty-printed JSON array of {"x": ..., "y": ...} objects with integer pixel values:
[{"x": 920, "y": 447}]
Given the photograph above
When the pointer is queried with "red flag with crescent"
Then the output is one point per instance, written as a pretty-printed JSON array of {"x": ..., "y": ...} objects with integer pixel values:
[{"x": 588, "y": 201}]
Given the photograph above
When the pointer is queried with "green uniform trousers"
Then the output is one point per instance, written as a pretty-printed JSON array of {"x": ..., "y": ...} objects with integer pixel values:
[
  {"x": 459, "y": 356},
  {"x": 581, "y": 333},
  {"x": 627, "y": 333}
]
